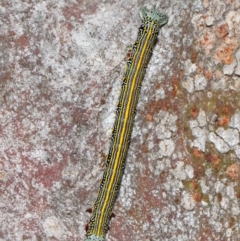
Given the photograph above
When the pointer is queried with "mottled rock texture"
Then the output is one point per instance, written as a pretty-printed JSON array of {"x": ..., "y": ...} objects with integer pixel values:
[{"x": 61, "y": 66}]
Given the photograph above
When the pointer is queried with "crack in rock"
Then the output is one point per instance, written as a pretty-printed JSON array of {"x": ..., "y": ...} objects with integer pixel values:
[
  {"x": 230, "y": 136},
  {"x": 219, "y": 143}
]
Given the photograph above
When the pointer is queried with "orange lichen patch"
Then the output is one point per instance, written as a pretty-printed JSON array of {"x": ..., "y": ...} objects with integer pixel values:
[
  {"x": 193, "y": 185},
  {"x": 207, "y": 41},
  {"x": 194, "y": 111},
  {"x": 225, "y": 110},
  {"x": 197, "y": 197},
  {"x": 154, "y": 106},
  {"x": 208, "y": 74},
  {"x": 149, "y": 117},
  {"x": 222, "y": 121},
  {"x": 233, "y": 171},
  {"x": 225, "y": 52},
  {"x": 197, "y": 153},
  {"x": 194, "y": 188},
  {"x": 222, "y": 31},
  {"x": 214, "y": 159}
]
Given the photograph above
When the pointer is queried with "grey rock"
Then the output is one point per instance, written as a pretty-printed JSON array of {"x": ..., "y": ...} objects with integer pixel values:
[
  {"x": 219, "y": 143},
  {"x": 188, "y": 84},
  {"x": 230, "y": 136},
  {"x": 200, "y": 83},
  {"x": 202, "y": 118},
  {"x": 235, "y": 121},
  {"x": 229, "y": 69},
  {"x": 209, "y": 21}
]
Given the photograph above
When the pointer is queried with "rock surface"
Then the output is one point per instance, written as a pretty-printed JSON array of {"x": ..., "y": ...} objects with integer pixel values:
[{"x": 61, "y": 66}]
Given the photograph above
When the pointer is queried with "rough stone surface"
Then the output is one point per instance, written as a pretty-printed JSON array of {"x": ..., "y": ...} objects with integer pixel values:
[
  {"x": 237, "y": 69},
  {"x": 201, "y": 137},
  {"x": 188, "y": 84},
  {"x": 200, "y": 83},
  {"x": 235, "y": 121},
  {"x": 179, "y": 172},
  {"x": 61, "y": 66},
  {"x": 230, "y": 136},
  {"x": 209, "y": 21},
  {"x": 229, "y": 69},
  {"x": 219, "y": 143},
  {"x": 202, "y": 118},
  {"x": 237, "y": 150},
  {"x": 188, "y": 202}
]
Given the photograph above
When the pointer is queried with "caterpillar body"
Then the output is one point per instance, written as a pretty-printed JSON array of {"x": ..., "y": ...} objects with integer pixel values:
[{"x": 132, "y": 78}]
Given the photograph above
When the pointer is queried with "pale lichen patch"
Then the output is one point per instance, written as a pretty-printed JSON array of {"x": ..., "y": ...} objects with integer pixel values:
[{"x": 53, "y": 227}]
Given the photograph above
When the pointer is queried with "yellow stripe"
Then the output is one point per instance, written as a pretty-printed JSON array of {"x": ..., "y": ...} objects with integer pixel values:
[{"x": 124, "y": 127}]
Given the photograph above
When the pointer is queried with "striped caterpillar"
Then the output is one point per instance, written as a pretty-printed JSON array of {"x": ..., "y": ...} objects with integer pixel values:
[{"x": 132, "y": 78}]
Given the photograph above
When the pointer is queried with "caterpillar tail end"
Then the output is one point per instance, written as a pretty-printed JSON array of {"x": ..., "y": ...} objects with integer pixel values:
[{"x": 95, "y": 238}]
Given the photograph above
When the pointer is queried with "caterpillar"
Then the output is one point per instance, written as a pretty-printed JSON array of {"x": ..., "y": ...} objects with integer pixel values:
[{"x": 134, "y": 72}]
